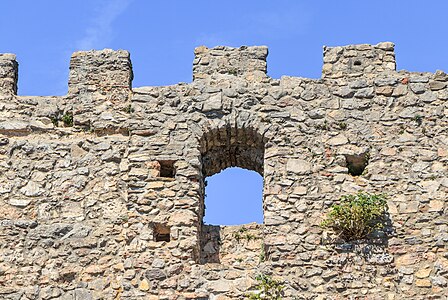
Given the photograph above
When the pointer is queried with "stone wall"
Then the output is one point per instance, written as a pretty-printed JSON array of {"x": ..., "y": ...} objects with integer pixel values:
[{"x": 102, "y": 190}]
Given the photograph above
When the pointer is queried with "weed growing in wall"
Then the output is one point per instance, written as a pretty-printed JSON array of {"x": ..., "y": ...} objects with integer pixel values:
[
  {"x": 357, "y": 215},
  {"x": 268, "y": 289},
  {"x": 418, "y": 119},
  {"x": 67, "y": 119},
  {"x": 129, "y": 109},
  {"x": 243, "y": 234}
]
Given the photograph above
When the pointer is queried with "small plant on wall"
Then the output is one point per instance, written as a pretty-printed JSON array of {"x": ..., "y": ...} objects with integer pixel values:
[
  {"x": 357, "y": 216},
  {"x": 268, "y": 289}
]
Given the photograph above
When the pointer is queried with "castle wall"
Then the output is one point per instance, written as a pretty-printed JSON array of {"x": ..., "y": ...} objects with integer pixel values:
[{"x": 102, "y": 190}]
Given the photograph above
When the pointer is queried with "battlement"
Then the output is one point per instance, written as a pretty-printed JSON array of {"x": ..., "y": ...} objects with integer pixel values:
[
  {"x": 100, "y": 71},
  {"x": 356, "y": 60},
  {"x": 110, "y": 72},
  {"x": 102, "y": 82},
  {"x": 248, "y": 62},
  {"x": 8, "y": 74}
]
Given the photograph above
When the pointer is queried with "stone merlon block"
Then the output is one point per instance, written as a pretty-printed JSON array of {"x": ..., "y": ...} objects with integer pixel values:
[
  {"x": 101, "y": 82},
  {"x": 8, "y": 74},
  {"x": 354, "y": 60},
  {"x": 100, "y": 71},
  {"x": 248, "y": 62}
]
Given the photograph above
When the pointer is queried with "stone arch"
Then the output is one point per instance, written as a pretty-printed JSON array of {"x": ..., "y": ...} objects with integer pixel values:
[
  {"x": 219, "y": 140},
  {"x": 237, "y": 140},
  {"x": 232, "y": 147},
  {"x": 221, "y": 147},
  {"x": 227, "y": 145}
]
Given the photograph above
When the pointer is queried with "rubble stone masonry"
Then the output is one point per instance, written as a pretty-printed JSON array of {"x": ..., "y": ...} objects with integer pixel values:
[{"x": 102, "y": 190}]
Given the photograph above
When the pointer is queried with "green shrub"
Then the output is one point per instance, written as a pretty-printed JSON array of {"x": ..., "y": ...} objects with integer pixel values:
[
  {"x": 243, "y": 233},
  {"x": 357, "y": 215},
  {"x": 67, "y": 118},
  {"x": 269, "y": 289}
]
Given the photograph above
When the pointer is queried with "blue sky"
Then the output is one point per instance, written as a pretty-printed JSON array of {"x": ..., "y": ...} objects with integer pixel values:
[{"x": 161, "y": 36}]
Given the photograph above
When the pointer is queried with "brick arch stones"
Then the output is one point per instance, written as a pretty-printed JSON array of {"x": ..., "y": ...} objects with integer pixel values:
[{"x": 232, "y": 147}]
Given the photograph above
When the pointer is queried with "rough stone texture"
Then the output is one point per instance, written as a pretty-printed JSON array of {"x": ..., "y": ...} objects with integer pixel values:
[
  {"x": 112, "y": 207},
  {"x": 8, "y": 74}
]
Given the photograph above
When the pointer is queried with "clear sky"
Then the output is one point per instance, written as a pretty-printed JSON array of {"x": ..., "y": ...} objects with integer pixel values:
[{"x": 161, "y": 36}]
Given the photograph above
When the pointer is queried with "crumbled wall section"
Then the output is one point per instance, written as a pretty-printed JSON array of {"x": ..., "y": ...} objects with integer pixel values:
[{"x": 102, "y": 190}]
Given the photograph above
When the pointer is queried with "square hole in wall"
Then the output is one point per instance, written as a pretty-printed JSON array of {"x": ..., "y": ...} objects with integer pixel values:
[
  {"x": 167, "y": 168},
  {"x": 356, "y": 164},
  {"x": 162, "y": 233}
]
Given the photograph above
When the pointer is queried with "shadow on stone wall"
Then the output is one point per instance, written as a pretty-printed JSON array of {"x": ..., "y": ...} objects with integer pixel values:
[
  {"x": 210, "y": 244},
  {"x": 345, "y": 256}
]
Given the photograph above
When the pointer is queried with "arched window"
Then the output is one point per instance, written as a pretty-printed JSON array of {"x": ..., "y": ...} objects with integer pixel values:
[{"x": 232, "y": 162}]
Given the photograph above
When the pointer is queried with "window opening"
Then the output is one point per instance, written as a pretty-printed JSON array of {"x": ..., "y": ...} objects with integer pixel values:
[
  {"x": 167, "y": 168},
  {"x": 161, "y": 233},
  {"x": 234, "y": 197},
  {"x": 356, "y": 164}
]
